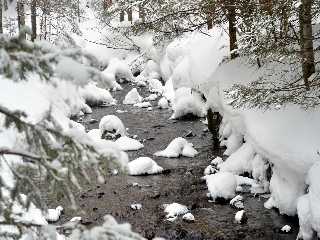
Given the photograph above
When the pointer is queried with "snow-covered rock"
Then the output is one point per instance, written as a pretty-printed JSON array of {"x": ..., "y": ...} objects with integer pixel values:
[
  {"x": 132, "y": 97},
  {"x": 143, "y": 165},
  {"x": 151, "y": 97},
  {"x": 118, "y": 69},
  {"x": 113, "y": 124},
  {"x": 221, "y": 185},
  {"x": 286, "y": 229},
  {"x": 188, "y": 217},
  {"x": 94, "y": 95},
  {"x": 155, "y": 86},
  {"x": 209, "y": 170},
  {"x": 178, "y": 146},
  {"x": 128, "y": 144},
  {"x": 143, "y": 105},
  {"x": 76, "y": 219},
  {"x": 240, "y": 217},
  {"x": 175, "y": 209},
  {"x": 163, "y": 103},
  {"x": 217, "y": 161},
  {"x": 136, "y": 206},
  {"x": 237, "y": 202},
  {"x": 187, "y": 103},
  {"x": 53, "y": 215}
]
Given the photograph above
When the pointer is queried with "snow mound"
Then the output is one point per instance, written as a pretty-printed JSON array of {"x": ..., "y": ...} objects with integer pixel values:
[
  {"x": 186, "y": 103},
  {"x": 151, "y": 97},
  {"x": 95, "y": 134},
  {"x": 143, "y": 105},
  {"x": 53, "y": 215},
  {"x": 155, "y": 86},
  {"x": 240, "y": 216},
  {"x": 221, "y": 185},
  {"x": 118, "y": 69},
  {"x": 128, "y": 144},
  {"x": 113, "y": 124},
  {"x": 209, "y": 170},
  {"x": 95, "y": 96},
  {"x": 175, "y": 209},
  {"x": 178, "y": 146},
  {"x": 132, "y": 97},
  {"x": 240, "y": 161},
  {"x": 136, "y": 206},
  {"x": 76, "y": 125},
  {"x": 163, "y": 103},
  {"x": 188, "y": 217},
  {"x": 143, "y": 165}
]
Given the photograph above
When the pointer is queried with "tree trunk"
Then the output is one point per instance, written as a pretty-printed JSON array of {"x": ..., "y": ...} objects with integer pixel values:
[
  {"x": 306, "y": 41},
  {"x": 141, "y": 13},
  {"x": 231, "y": 15},
  {"x": 121, "y": 16},
  {"x": 21, "y": 16},
  {"x": 33, "y": 20},
  {"x": 209, "y": 21},
  {"x": 129, "y": 12},
  {"x": 1, "y": 25}
]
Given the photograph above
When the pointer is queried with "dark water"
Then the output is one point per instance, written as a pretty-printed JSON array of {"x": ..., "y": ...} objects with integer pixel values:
[{"x": 181, "y": 183}]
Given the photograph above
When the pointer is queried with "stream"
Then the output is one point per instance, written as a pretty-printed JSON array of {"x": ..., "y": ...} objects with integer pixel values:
[{"x": 181, "y": 183}]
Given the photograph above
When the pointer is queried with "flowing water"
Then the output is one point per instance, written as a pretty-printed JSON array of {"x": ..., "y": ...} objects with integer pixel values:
[{"x": 180, "y": 183}]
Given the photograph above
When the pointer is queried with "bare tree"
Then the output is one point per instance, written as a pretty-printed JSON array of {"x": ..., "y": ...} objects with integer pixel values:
[
  {"x": 21, "y": 14},
  {"x": 306, "y": 41},
  {"x": 1, "y": 24},
  {"x": 33, "y": 19}
]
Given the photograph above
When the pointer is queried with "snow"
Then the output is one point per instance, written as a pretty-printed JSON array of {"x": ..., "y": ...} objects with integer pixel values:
[
  {"x": 188, "y": 217},
  {"x": 113, "y": 124},
  {"x": 155, "y": 86},
  {"x": 143, "y": 105},
  {"x": 175, "y": 209},
  {"x": 132, "y": 97},
  {"x": 95, "y": 134},
  {"x": 163, "y": 103},
  {"x": 143, "y": 165},
  {"x": 239, "y": 216},
  {"x": 53, "y": 215},
  {"x": 221, "y": 185},
  {"x": 178, "y": 146},
  {"x": 209, "y": 170},
  {"x": 118, "y": 69},
  {"x": 136, "y": 206},
  {"x": 286, "y": 229},
  {"x": 151, "y": 97},
  {"x": 217, "y": 161},
  {"x": 240, "y": 161},
  {"x": 237, "y": 202},
  {"x": 95, "y": 96},
  {"x": 128, "y": 144},
  {"x": 187, "y": 103}
]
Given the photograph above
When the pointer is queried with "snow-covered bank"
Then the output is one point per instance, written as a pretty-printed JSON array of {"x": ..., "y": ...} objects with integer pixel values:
[{"x": 283, "y": 140}]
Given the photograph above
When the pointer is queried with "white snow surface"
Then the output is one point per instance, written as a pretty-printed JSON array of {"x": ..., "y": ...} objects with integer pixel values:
[
  {"x": 239, "y": 215},
  {"x": 143, "y": 165},
  {"x": 94, "y": 95},
  {"x": 128, "y": 144},
  {"x": 221, "y": 185},
  {"x": 178, "y": 146},
  {"x": 186, "y": 102},
  {"x": 112, "y": 123},
  {"x": 132, "y": 97},
  {"x": 163, "y": 103},
  {"x": 175, "y": 209}
]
